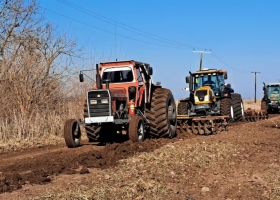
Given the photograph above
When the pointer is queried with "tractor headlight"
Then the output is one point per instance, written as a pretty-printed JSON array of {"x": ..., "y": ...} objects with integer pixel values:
[
  {"x": 104, "y": 100},
  {"x": 93, "y": 101},
  {"x": 206, "y": 98},
  {"x": 196, "y": 99}
]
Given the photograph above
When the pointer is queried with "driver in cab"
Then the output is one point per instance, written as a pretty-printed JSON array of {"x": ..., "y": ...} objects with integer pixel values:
[{"x": 209, "y": 82}]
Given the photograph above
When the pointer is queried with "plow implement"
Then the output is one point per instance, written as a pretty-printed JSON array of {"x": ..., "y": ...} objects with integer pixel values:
[
  {"x": 201, "y": 125},
  {"x": 252, "y": 115},
  {"x": 212, "y": 124}
]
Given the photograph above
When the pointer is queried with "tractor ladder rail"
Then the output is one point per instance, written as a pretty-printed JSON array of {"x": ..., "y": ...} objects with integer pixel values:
[
  {"x": 202, "y": 125},
  {"x": 252, "y": 115}
]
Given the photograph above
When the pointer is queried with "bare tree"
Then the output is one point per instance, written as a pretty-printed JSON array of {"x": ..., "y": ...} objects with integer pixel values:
[{"x": 35, "y": 62}]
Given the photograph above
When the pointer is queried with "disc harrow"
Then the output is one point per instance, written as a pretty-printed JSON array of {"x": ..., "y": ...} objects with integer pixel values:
[
  {"x": 202, "y": 125},
  {"x": 252, "y": 115}
]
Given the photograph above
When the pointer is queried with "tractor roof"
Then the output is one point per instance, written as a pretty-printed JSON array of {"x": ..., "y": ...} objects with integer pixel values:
[
  {"x": 207, "y": 71},
  {"x": 121, "y": 63},
  {"x": 273, "y": 84}
]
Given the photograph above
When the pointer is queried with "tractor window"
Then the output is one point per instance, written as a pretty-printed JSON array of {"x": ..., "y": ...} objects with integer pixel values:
[
  {"x": 139, "y": 77},
  {"x": 222, "y": 81},
  {"x": 116, "y": 75},
  {"x": 205, "y": 79},
  {"x": 273, "y": 89}
]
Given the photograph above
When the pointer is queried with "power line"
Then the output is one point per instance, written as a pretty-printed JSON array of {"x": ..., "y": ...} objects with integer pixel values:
[
  {"x": 86, "y": 24},
  {"x": 172, "y": 44},
  {"x": 201, "y": 56},
  {"x": 234, "y": 68},
  {"x": 123, "y": 26}
]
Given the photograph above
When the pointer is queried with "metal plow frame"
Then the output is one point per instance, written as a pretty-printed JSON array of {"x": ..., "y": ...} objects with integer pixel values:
[
  {"x": 202, "y": 125},
  {"x": 255, "y": 115}
]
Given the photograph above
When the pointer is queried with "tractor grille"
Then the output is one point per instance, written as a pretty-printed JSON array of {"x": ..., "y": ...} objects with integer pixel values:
[
  {"x": 96, "y": 105},
  {"x": 201, "y": 94}
]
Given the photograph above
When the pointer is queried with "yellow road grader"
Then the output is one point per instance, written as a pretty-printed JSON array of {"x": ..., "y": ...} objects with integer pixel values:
[{"x": 211, "y": 104}]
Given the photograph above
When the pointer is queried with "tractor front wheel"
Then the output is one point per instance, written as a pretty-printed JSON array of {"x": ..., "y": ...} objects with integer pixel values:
[
  {"x": 183, "y": 108},
  {"x": 227, "y": 109},
  {"x": 72, "y": 133},
  {"x": 238, "y": 107},
  {"x": 136, "y": 132}
]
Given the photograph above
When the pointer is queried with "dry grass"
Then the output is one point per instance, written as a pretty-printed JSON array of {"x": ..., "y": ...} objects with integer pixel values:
[
  {"x": 43, "y": 129},
  {"x": 158, "y": 175},
  {"x": 250, "y": 103}
]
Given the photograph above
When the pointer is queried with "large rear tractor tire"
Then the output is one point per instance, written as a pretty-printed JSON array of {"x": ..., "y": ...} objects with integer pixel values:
[
  {"x": 136, "y": 132},
  {"x": 238, "y": 108},
  {"x": 182, "y": 108},
  {"x": 227, "y": 109},
  {"x": 162, "y": 114},
  {"x": 72, "y": 133},
  {"x": 92, "y": 132},
  {"x": 263, "y": 105}
]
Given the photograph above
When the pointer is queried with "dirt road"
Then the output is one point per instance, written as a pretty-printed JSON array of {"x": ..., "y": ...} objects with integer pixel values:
[{"x": 248, "y": 167}]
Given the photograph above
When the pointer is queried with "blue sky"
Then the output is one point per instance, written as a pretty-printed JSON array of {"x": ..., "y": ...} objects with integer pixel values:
[{"x": 243, "y": 35}]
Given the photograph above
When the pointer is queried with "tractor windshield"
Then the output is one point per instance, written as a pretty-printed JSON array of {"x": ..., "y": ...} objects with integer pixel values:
[
  {"x": 273, "y": 89},
  {"x": 118, "y": 75},
  {"x": 204, "y": 80}
]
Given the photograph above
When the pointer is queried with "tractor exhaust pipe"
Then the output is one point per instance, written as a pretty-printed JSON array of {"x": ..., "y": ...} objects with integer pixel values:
[{"x": 98, "y": 78}]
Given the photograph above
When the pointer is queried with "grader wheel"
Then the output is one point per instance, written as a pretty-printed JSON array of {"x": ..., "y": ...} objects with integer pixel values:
[{"x": 72, "y": 133}]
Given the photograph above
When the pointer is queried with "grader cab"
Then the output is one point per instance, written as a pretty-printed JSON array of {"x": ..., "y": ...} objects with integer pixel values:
[{"x": 124, "y": 104}]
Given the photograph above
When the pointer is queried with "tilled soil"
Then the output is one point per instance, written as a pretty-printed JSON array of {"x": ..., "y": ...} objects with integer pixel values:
[
  {"x": 36, "y": 166},
  {"x": 260, "y": 142}
]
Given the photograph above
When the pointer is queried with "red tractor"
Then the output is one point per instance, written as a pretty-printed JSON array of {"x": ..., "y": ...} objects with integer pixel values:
[{"x": 124, "y": 103}]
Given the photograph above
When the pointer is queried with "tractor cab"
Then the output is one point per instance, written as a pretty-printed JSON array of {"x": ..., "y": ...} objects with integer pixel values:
[
  {"x": 206, "y": 88},
  {"x": 271, "y": 100},
  {"x": 214, "y": 79}
]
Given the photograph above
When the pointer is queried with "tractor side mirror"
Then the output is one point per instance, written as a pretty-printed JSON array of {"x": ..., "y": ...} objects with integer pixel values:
[
  {"x": 150, "y": 71},
  {"x": 187, "y": 79},
  {"x": 81, "y": 77},
  {"x": 225, "y": 75},
  {"x": 190, "y": 83}
]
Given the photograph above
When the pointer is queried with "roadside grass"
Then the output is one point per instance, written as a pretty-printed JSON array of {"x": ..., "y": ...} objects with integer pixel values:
[
  {"x": 162, "y": 174},
  {"x": 250, "y": 103},
  {"x": 46, "y": 128}
]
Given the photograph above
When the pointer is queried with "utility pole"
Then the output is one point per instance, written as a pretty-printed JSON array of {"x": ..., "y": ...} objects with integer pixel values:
[
  {"x": 255, "y": 85},
  {"x": 201, "y": 56}
]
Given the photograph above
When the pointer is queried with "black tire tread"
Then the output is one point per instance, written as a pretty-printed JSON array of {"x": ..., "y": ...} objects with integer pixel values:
[
  {"x": 158, "y": 113},
  {"x": 68, "y": 133},
  {"x": 236, "y": 104},
  {"x": 225, "y": 107},
  {"x": 133, "y": 128},
  {"x": 92, "y": 132},
  {"x": 263, "y": 105},
  {"x": 183, "y": 108}
]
